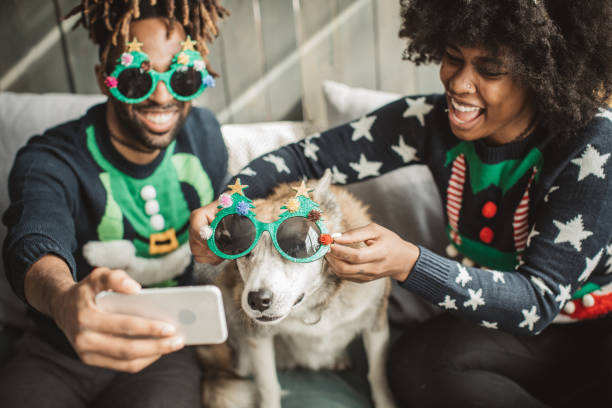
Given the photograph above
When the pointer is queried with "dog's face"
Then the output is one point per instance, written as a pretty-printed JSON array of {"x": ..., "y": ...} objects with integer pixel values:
[{"x": 273, "y": 285}]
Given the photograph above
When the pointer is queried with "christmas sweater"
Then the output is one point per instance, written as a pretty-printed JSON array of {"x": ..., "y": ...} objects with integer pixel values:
[
  {"x": 529, "y": 222},
  {"x": 74, "y": 195}
]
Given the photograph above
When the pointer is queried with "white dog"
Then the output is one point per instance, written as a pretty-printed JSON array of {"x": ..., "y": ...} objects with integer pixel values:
[{"x": 286, "y": 314}]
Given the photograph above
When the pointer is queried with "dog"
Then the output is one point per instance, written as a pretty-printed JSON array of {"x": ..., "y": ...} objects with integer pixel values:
[{"x": 307, "y": 320}]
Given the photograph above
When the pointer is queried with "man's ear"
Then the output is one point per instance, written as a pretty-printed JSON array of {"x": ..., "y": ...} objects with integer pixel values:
[{"x": 100, "y": 77}]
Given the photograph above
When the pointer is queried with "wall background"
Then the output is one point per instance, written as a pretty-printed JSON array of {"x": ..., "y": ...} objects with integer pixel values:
[{"x": 272, "y": 55}]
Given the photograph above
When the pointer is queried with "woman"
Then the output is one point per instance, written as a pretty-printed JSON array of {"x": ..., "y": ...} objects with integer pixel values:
[{"x": 519, "y": 146}]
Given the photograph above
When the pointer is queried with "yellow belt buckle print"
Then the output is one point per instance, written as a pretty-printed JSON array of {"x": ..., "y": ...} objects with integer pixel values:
[{"x": 163, "y": 242}]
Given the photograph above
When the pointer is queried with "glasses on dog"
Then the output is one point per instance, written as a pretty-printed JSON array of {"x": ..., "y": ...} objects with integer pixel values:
[
  {"x": 299, "y": 234},
  {"x": 133, "y": 80}
]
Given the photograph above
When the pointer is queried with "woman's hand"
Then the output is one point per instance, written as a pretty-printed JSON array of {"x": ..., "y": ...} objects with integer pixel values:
[
  {"x": 385, "y": 254},
  {"x": 199, "y": 219}
]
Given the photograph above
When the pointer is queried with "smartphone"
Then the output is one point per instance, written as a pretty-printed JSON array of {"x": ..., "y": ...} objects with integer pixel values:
[{"x": 196, "y": 311}]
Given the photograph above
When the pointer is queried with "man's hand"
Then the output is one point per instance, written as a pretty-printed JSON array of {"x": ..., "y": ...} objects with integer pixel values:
[
  {"x": 102, "y": 339},
  {"x": 385, "y": 254},
  {"x": 109, "y": 340},
  {"x": 199, "y": 219}
]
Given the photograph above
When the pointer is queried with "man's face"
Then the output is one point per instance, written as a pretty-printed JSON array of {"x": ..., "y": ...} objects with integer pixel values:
[{"x": 154, "y": 123}]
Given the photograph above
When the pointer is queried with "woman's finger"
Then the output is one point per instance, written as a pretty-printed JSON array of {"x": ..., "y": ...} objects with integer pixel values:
[
  {"x": 360, "y": 234},
  {"x": 361, "y": 255}
]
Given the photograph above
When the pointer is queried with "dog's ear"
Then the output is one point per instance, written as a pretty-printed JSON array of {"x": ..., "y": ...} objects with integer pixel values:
[
  {"x": 323, "y": 195},
  {"x": 321, "y": 192}
]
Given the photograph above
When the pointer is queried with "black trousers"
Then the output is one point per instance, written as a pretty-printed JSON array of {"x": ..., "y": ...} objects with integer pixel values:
[
  {"x": 40, "y": 376},
  {"x": 450, "y": 362}
]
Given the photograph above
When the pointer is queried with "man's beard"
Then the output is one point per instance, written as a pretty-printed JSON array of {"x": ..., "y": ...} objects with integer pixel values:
[{"x": 135, "y": 135}]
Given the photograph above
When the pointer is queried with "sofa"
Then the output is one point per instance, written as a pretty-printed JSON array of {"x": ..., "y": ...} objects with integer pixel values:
[{"x": 420, "y": 220}]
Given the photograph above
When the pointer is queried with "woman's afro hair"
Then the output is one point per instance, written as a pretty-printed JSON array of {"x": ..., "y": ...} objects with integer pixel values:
[{"x": 560, "y": 49}]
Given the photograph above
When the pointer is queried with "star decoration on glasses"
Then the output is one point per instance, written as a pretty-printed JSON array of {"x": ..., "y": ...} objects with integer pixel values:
[
  {"x": 134, "y": 45},
  {"x": 182, "y": 59},
  {"x": 293, "y": 205},
  {"x": 302, "y": 190},
  {"x": 188, "y": 44},
  {"x": 236, "y": 187}
]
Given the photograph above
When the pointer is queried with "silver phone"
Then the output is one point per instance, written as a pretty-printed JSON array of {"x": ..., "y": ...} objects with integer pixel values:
[{"x": 196, "y": 311}]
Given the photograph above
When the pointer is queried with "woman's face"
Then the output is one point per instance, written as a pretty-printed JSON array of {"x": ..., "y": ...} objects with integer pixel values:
[{"x": 485, "y": 101}]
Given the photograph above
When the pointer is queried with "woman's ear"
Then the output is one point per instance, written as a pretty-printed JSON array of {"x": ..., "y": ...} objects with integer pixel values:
[{"x": 100, "y": 77}]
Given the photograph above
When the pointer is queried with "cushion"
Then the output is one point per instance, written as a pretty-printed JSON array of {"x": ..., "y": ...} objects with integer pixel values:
[
  {"x": 245, "y": 142},
  {"x": 344, "y": 103}
]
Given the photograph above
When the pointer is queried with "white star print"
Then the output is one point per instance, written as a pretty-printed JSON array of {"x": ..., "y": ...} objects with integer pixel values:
[
  {"x": 277, "y": 161},
  {"x": 541, "y": 285},
  {"x": 489, "y": 325},
  {"x": 591, "y": 263},
  {"x": 475, "y": 299},
  {"x": 532, "y": 234},
  {"x": 498, "y": 276},
  {"x": 464, "y": 277},
  {"x": 337, "y": 176},
  {"x": 408, "y": 153},
  {"x": 564, "y": 295},
  {"x": 310, "y": 149},
  {"x": 552, "y": 190},
  {"x": 366, "y": 168},
  {"x": 419, "y": 108},
  {"x": 591, "y": 162},
  {"x": 448, "y": 303},
  {"x": 247, "y": 171},
  {"x": 573, "y": 232},
  {"x": 609, "y": 261},
  {"x": 605, "y": 113},
  {"x": 531, "y": 317},
  {"x": 362, "y": 128}
]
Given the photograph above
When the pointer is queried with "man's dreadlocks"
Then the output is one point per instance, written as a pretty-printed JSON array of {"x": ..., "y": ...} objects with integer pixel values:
[{"x": 107, "y": 20}]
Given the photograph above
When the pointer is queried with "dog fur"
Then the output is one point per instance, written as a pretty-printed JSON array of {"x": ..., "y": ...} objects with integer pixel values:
[{"x": 316, "y": 313}]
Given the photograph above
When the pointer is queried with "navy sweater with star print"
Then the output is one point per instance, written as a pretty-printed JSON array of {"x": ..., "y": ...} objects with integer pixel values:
[{"x": 531, "y": 220}]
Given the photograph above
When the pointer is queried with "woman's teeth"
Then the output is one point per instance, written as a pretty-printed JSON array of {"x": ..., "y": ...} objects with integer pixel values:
[
  {"x": 462, "y": 114},
  {"x": 463, "y": 108}
]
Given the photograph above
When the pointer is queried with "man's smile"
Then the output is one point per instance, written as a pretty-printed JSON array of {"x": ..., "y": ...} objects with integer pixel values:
[{"x": 157, "y": 121}]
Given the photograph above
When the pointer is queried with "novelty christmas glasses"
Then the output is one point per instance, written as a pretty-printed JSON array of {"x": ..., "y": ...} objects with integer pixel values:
[
  {"x": 133, "y": 80},
  {"x": 299, "y": 235}
]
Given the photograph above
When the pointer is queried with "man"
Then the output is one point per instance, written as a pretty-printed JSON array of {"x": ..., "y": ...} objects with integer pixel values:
[{"x": 103, "y": 203}]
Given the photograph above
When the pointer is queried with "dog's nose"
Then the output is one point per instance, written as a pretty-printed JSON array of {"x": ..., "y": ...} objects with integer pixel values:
[{"x": 260, "y": 300}]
